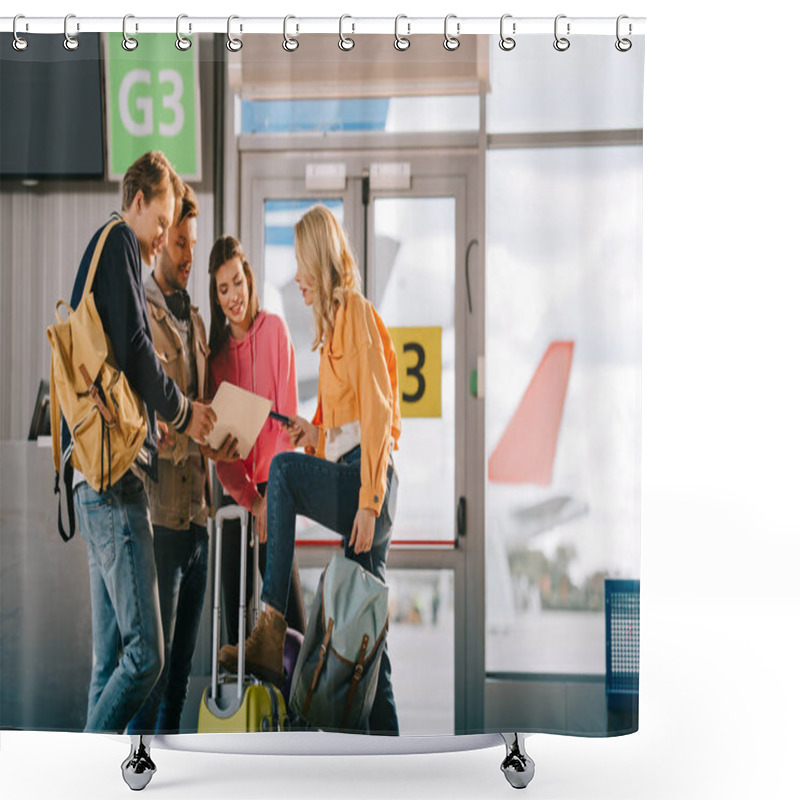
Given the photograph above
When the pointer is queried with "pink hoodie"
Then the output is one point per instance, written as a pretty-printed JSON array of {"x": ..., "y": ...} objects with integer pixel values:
[{"x": 262, "y": 362}]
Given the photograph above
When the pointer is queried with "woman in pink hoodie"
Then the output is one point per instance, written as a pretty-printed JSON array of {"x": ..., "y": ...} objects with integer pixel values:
[{"x": 251, "y": 349}]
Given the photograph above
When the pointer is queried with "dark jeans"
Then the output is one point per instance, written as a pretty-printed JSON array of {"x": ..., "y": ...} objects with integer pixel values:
[
  {"x": 182, "y": 569},
  {"x": 328, "y": 494},
  {"x": 231, "y": 543}
]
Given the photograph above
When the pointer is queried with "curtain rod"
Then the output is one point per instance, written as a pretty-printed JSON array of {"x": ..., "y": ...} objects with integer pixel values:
[{"x": 405, "y": 26}]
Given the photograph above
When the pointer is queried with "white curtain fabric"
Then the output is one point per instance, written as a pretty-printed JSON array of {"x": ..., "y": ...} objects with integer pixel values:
[{"x": 501, "y": 238}]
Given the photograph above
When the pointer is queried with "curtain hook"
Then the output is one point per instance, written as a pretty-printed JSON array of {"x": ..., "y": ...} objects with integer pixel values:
[
  {"x": 623, "y": 45},
  {"x": 507, "y": 42},
  {"x": 70, "y": 42},
  {"x": 451, "y": 42},
  {"x": 345, "y": 43},
  {"x": 290, "y": 43},
  {"x": 19, "y": 43},
  {"x": 181, "y": 41},
  {"x": 401, "y": 42},
  {"x": 233, "y": 44},
  {"x": 128, "y": 42},
  {"x": 561, "y": 43}
]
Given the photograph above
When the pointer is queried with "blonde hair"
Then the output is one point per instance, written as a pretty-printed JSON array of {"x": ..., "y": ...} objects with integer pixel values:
[
  {"x": 324, "y": 254},
  {"x": 153, "y": 174}
]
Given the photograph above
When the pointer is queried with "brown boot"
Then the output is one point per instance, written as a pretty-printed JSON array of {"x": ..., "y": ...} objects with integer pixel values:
[
  {"x": 228, "y": 657},
  {"x": 263, "y": 649}
]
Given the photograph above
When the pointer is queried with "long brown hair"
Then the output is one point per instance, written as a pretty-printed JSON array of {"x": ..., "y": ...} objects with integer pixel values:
[
  {"x": 324, "y": 254},
  {"x": 224, "y": 249}
]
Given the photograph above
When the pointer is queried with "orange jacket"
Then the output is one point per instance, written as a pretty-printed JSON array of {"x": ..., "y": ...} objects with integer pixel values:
[{"x": 358, "y": 382}]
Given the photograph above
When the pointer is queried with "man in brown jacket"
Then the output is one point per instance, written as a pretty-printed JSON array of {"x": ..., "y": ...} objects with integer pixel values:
[{"x": 177, "y": 501}]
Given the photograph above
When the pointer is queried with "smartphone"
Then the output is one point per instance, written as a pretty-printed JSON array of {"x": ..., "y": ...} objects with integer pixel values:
[{"x": 280, "y": 418}]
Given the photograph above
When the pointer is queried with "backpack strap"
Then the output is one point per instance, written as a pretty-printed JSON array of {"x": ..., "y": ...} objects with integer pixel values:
[
  {"x": 358, "y": 673},
  {"x": 63, "y": 465},
  {"x": 55, "y": 418},
  {"x": 62, "y": 461},
  {"x": 67, "y": 471},
  {"x": 323, "y": 652},
  {"x": 98, "y": 249}
]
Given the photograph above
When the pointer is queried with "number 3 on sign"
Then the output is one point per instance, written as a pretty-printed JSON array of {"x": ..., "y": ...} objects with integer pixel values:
[{"x": 419, "y": 370}]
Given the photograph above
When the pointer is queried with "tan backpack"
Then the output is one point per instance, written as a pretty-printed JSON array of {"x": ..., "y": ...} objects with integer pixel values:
[{"x": 106, "y": 417}]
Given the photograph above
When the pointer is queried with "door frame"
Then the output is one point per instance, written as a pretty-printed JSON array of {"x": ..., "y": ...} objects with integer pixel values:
[{"x": 274, "y": 168}]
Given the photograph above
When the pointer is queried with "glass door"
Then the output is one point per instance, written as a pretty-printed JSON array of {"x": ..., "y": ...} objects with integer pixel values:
[
  {"x": 413, "y": 287},
  {"x": 410, "y": 242}
]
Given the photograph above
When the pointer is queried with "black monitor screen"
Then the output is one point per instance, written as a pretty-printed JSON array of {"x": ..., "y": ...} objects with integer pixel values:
[
  {"x": 51, "y": 108},
  {"x": 40, "y": 419}
]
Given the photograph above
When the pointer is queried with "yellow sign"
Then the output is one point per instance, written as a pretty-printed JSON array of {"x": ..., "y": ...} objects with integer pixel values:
[{"x": 419, "y": 370}]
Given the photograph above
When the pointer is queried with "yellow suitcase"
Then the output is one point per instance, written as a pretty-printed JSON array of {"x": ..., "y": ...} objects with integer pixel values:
[
  {"x": 262, "y": 708},
  {"x": 240, "y": 704}
]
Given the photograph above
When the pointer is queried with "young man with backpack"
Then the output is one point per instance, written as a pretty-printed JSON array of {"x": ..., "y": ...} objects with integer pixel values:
[{"x": 126, "y": 627}]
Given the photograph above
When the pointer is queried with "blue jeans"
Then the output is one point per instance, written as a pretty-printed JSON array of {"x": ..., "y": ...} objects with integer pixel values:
[
  {"x": 126, "y": 632},
  {"x": 328, "y": 494},
  {"x": 229, "y": 572},
  {"x": 182, "y": 567}
]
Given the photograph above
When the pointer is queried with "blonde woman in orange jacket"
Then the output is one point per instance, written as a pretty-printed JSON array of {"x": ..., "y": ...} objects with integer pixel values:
[{"x": 345, "y": 479}]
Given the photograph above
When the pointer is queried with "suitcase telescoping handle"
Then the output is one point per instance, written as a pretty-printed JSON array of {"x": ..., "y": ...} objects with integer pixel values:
[{"x": 229, "y": 513}]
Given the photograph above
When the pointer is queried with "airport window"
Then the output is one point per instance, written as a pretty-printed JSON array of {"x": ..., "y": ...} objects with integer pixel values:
[
  {"x": 389, "y": 115},
  {"x": 562, "y": 492},
  {"x": 560, "y": 93},
  {"x": 415, "y": 247}
]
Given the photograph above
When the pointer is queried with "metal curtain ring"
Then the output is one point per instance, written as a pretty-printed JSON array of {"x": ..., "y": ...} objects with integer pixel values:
[
  {"x": 451, "y": 42},
  {"x": 19, "y": 43},
  {"x": 561, "y": 43},
  {"x": 181, "y": 42},
  {"x": 507, "y": 42},
  {"x": 128, "y": 42},
  {"x": 290, "y": 43},
  {"x": 345, "y": 43},
  {"x": 70, "y": 42},
  {"x": 233, "y": 44},
  {"x": 400, "y": 42},
  {"x": 623, "y": 45}
]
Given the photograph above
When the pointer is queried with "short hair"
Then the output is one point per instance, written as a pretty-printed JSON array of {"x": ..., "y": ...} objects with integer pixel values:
[
  {"x": 189, "y": 208},
  {"x": 152, "y": 174}
]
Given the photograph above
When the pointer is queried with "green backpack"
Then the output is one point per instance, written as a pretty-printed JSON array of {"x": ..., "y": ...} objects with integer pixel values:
[{"x": 336, "y": 676}]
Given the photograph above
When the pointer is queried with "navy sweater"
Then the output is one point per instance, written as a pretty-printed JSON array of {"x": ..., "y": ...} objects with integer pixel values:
[{"x": 120, "y": 299}]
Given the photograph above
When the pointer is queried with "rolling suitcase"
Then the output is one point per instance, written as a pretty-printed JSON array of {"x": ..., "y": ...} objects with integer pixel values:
[{"x": 244, "y": 704}]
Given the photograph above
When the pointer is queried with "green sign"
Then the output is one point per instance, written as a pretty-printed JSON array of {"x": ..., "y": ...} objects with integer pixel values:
[{"x": 152, "y": 103}]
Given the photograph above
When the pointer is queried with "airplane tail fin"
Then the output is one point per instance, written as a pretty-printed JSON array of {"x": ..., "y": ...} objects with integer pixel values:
[{"x": 527, "y": 449}]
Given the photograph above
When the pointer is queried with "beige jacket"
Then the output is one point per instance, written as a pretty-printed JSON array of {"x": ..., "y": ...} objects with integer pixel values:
[{"x": 179, "y": 496}]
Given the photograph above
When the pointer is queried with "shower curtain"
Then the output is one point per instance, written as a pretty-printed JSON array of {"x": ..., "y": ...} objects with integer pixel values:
[{"x": 489, "y": 185}]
